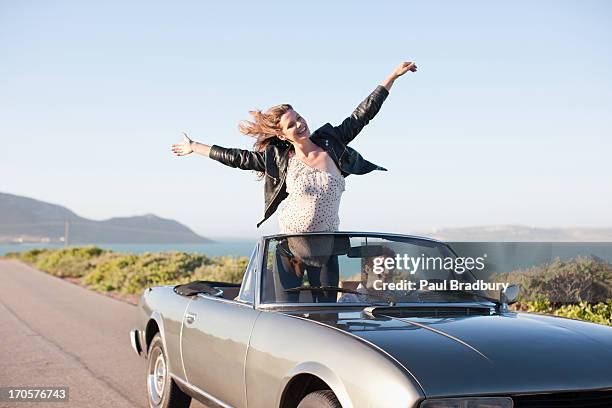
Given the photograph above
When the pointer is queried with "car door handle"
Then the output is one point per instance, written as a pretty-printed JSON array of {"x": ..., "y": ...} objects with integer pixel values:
[{"x": 190, "y": 318}]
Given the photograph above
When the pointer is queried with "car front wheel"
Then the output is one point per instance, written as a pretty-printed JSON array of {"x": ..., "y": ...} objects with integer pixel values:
[
  {"x": 162, "y": 392},
  {"x": 320, "y": 399}
]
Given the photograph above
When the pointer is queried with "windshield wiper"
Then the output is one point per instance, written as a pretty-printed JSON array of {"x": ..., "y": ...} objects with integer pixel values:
[{"x": 388, "y": 300}]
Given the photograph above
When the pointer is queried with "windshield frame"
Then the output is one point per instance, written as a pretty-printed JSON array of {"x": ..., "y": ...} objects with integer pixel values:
[{"x": 262, "y": 265}]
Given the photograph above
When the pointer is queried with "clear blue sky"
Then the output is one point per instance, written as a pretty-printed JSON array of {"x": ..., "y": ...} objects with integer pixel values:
[{"x": 507, "y": 121}]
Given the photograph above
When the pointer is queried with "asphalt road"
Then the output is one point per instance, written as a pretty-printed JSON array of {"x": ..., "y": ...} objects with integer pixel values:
[{"x": 54, "y": 333}]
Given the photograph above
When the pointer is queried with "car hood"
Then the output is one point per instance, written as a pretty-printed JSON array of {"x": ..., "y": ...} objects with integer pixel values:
[{"x": 486, "y": 354}]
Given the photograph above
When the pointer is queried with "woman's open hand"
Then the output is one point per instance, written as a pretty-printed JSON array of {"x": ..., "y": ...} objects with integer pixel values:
[
  {"x": 404, "y": 67},
  {"x": 183, "y": 148}
]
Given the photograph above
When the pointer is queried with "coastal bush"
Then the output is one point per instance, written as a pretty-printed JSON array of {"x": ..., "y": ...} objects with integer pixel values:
[
  {"x": 582, "y": 279},
  {"x": 131, "y": 274},
  {"x": 223, "y": 269},
  {"x": 65, "y": 263},
  {"x": 105, "y": 270},
  {"x": 597, "y": 313},
  {"x": 29, "y": 257}
]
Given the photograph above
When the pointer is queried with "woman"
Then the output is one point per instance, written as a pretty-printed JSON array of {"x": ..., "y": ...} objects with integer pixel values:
[{"x": 307, "y": 170}]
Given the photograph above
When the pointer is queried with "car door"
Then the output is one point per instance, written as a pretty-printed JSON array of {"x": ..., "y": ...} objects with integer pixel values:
[{"x": 215, "y": 338}]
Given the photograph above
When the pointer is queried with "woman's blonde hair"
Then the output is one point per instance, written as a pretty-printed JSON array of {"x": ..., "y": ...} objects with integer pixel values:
[{"x": 265, "y": 126}]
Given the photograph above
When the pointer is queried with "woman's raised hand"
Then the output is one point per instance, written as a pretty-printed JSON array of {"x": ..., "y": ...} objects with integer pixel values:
[
  {"x": 183, "y": 148},
  {"x": 398, "y": 72},
  {"x": 405, "y": 67}
]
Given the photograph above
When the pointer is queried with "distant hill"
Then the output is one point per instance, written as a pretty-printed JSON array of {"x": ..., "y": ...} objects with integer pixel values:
[
  {"x": 519, "y": 233},
  {"x": 24, "y": 219}
]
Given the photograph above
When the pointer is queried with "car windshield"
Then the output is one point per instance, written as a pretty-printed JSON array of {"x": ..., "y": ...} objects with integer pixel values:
[{"x": 349, "y": 268}]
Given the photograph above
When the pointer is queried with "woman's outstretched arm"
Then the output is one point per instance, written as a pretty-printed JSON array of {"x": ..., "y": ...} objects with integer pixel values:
[
  {"x": 367, "y": 109},
  {"x": 238, "y": 158}
]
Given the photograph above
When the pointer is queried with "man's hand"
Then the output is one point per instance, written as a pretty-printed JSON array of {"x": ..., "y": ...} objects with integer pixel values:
[
  {"x": 183, "y": 148},
  {"x": 403, "y": 68}
]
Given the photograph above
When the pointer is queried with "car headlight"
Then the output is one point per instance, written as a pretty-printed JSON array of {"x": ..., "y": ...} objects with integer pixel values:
[{"x": 497, "y": 402}]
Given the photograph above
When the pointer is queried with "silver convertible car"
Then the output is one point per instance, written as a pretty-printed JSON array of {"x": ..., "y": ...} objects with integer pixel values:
[{"x": 349, "y": 320}]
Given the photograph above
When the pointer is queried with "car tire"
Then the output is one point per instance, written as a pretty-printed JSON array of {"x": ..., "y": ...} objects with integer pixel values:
[
  {"x": 162, "y": 392},
  {"x": 320, "y": 399}
]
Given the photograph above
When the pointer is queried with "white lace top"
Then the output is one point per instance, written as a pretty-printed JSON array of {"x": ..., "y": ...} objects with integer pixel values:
[{"x": 313, "y": 201}]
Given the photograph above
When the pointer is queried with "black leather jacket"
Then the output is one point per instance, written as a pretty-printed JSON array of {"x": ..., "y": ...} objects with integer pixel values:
[{"x": 333, "y": 139}]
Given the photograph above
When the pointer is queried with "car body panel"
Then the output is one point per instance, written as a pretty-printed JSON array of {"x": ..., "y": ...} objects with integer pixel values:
[
  {"x": 214, "y": 347},
  {"x": 283, "y": 345},
  {"x": 489, "y": 354},
  {"x": 167, "y": 309}
]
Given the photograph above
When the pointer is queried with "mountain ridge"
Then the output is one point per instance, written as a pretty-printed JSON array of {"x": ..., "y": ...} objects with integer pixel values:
[
  {"x": 520, "y": 233},
  {"x": 24, "y": 219}
]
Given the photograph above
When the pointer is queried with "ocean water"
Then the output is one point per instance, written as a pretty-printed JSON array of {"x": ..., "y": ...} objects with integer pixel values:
[{"x": 219, "y": 248}]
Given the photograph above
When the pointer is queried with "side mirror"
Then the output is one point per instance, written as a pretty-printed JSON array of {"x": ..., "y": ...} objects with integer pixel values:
[{"x": 508, "y": 296}]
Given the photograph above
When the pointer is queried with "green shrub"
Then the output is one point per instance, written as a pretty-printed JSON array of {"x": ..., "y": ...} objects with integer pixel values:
[
  {"x": 71, "y": 262},
  {"x": 105, "y": 270},
  {"x": 597, "y": 313},
  {"x": 127, "y": 273},
  {"x": 30, "y": 257},
  {"x": 223, "y": 269},
  {"x": 579, "y": 280}
]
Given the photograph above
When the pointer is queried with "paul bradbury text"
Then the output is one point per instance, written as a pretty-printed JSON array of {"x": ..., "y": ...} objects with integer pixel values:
[{"x": 451, "y": 284}]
